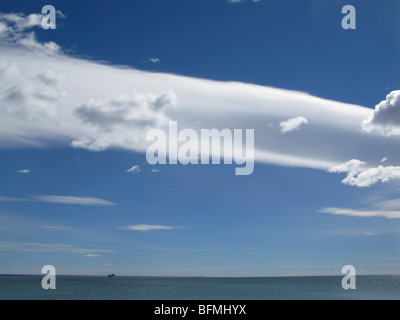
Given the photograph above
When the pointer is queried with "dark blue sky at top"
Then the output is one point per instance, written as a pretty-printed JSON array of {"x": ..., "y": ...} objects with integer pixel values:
[{"x": 291, "y": 44}]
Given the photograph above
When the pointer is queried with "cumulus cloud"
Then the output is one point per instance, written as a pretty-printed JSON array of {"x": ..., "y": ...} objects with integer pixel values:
[
  {"x": 386, "y": 117},
  {"x": 349, "y": 166},
  {"x": 49, "y": 98},
  {"x": 361, "y": 176},
  {"x": 372, "y": 175},
  {"x": 14, "y": 29},
  {"x": 135, "y": 110},
  {"x": 3, "y": 29},
  {"x": 17, "y": 22},
  {"x": 120, "y": 121},
  {"x": 292, "y": 124},
  {"x": 148, "y": 227},
  {"x": 134, "y": 169}
]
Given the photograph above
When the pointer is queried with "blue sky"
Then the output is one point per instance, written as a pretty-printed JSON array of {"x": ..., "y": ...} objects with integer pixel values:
[{"x": 322, "y": 195}]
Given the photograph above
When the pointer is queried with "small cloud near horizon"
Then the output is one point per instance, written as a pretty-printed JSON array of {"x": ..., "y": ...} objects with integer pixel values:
[
  {"x": 148, "y": 227},
  {"x": 61, "y": 199}
]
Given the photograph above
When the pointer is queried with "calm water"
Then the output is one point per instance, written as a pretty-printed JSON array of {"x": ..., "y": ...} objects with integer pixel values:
[{"x": 147, "y": 288}]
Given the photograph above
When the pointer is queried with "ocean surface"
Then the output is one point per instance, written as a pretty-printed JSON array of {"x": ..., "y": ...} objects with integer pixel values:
[{"x": 14, "y": 287}]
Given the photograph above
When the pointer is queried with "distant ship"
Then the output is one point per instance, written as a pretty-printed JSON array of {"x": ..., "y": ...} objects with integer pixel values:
[{"x": 111, "y": 275}]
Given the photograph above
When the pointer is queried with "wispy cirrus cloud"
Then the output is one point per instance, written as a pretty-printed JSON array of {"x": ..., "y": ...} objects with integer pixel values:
[
  {"x": 362, "y": 213},
  {"x": 134, "y": 169},
  {"x": 47, "y": 247},
  {"x": 148, "y": 227},
  {"x": 12, "y": 199},
  {"x": 56, "y": 228},
  {"x": 75, "y": 200},
  {"x": 61, "y": 199},
  {"x": 168, "y": 249},
  {"x": 389, "y": 209}
]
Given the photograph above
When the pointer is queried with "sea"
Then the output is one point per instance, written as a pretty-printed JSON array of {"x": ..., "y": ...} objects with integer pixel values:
[{"x": 29, "y": 287}]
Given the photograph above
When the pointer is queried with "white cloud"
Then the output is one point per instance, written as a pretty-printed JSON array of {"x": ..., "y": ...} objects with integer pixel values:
[
  {"x": 154, "y": 60},
  {"x": 393, "y": 204},
  {"x": 384, "y": 159},
  {"x": 46, "y": 247},
  {"x": 362, "y": 213},
  {"x": 361, "y": 176},
  {"x": 134, "y": 169},
  {"x": 61, "y": 199},
  {"x": 166, "y": 249},
  {"x": 386, "y": 117},
  {"x": 57, "y": 228},
  {"x": 148, "y": 227},
  {"x": 75, "y": 200},
  {"x": 119, "y": 119},
  {"x": 12, "y": 199},
  {"x": 14, "y": 27},
  {"x": 372, "y": 176},
  {"x": 19, "y": 22},
  {"x": 388, "y": 209},
  {"x": 351, "y": 165},
  {"x": 48, "y": 98},
  {"x": 24, "y": 171},
  {"x": 60, "y": 14},
  {"x": 154, "y": 170},
  {"x": 92, "y": 255},
  {"x": 292, "y": 124},
  {"x": 3, "y": 28}
]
